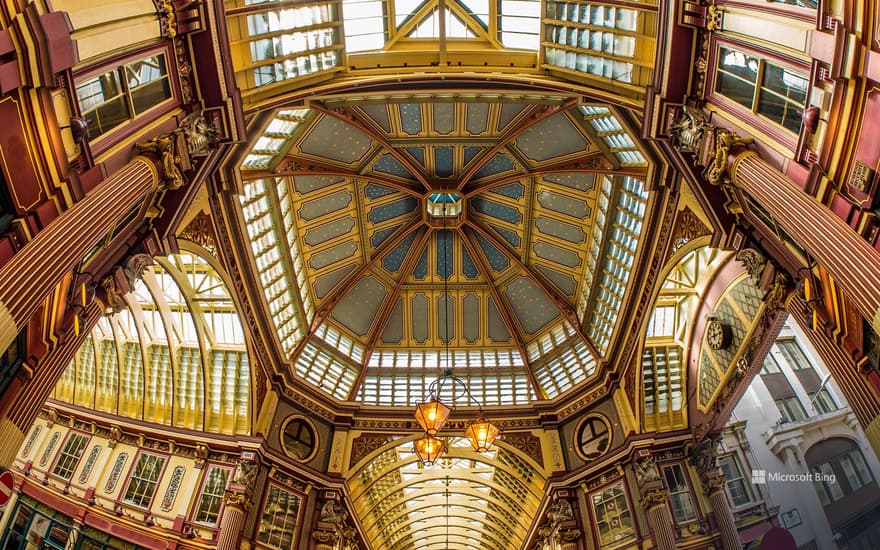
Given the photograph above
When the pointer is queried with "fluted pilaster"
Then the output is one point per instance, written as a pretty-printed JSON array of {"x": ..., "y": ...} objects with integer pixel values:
[{"x": 847, "y": 257}]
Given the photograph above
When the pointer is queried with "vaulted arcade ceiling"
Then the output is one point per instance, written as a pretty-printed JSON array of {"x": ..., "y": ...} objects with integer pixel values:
[{"x": 520, "y": 215}]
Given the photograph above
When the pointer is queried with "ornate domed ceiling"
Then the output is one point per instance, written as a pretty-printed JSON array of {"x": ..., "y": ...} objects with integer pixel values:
[{"x": 371, "y": 217}]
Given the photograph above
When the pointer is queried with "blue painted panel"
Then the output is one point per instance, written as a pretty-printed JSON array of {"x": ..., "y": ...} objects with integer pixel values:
[
  {"x": 332, "y": 255},
  {"x": 393, "y": 331},
  {"x": 563, "y": 281},
  {"x": 497, "y": 210},
  {"x": 394, "y": 259},
  {"x": 421, "y": 269},
  {"x": 337, "y": 140},
  {"x": 565, "y": 231},
  {"x": 327, "y": 231},
  {"x": 307, "y": 184},
  {"x": 532, "y": 307},
  {"x": 444, "y": 118},
  {"x": 358, "y": 308},
  {"x": 375, "y": 191},
  {"x": 379, "y": 113},
  {"x": 470, "y": 315},
  {"x": 564, "y": 204},
  {"x": 390, "y": 165},
  {"x": 497, "y": 260},
  {"x": 467, "y": 265},
  {"x": 411, "y": 118},
  {"x": 497, "y": 329},
  {"x": 508, "y": 235},
  {"x": 581, "y": 182},
  {"x": 417, "y": 153},
  {"x": 445, "y": 253},
  {"x": 470, "y": 152},
  {"x": 321, "y": 207},
  {"x": 393, "y": 209},
  {"x": 508, "y": 113},
  {"x": 499, "y": 163},
  {"x": 477, "y": 118},
  {"x": 443, "y": 162},
  {"x": 379, "y": 236},
  {"x": 557, "y": 254},
  {"x": 325, "y": 283},
  {"x": 445, "y": 324},
  {"x": 551, "y": 138},
  {"x": 512, "y": 190}
]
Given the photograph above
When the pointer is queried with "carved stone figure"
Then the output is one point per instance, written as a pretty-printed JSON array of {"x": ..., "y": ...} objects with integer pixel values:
[
  {"x": 245, "y": 474},
  {"x": 704, "y": 457},
  {"x": 689, "y": 129},
  {"x": 560, "y": 512},
  {"x": 646, "y": 471},
  {"x": 135, "y": 266},
  {"x": 753, "y": 261},
  {"x": 200, "y": 136},
  {"x": 332, "y": 512}
]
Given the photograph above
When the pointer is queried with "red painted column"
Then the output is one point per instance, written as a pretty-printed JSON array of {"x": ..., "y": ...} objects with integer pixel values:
[
  {"x": 40, "y": 265},
  {"x": 849, "y": 259}
]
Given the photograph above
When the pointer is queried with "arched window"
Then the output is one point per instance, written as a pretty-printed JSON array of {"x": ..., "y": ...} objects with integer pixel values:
[{"x": 838, "y": 469}]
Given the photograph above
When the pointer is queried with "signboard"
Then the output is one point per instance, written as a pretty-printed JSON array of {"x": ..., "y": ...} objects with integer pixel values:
[{"x": 6, "y": 481}]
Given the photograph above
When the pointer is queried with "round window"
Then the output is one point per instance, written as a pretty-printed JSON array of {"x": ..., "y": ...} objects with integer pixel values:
[
  {"x": 298, "y": 439},
  {"x": 593, "y": 437}
]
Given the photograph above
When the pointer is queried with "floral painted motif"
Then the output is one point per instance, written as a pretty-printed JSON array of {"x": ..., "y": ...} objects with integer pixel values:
[
  {"x": 30, "y": 442},
  {"x": 173, "y": 486},
  {"x": 115, "y": 472},
  {"x": 50, "y": 448},
  {"x": 90, "y": 463}
]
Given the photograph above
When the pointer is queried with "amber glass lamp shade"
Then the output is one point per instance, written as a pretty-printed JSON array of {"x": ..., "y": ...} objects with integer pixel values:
[
  {"x": 431, "y": 415},
  {"x": 481, "y": 433},
  {"x": 428, "y": 448}
]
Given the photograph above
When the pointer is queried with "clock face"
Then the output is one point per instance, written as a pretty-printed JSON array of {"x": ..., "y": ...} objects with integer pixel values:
[{"x": 718, "y": 335}]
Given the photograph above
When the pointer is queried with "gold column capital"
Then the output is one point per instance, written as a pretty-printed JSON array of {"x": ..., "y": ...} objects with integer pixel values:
[
  {"x": 654, "y": 498},
  {"x": 719, "y": 156},
  {"x": 236, "y": 499}
]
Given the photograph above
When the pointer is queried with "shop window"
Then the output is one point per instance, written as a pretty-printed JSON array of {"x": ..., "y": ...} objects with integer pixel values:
[
  {"x": 35, "y": 525},
  {"x": 143, "y": 480},
  {"x": 92, "y": 539},
  {"x": 107, "y": 100},
  {"x": 771, "y": 91},
  {"x": 71, "y": 452},
  {"x": 212, "y": 495},
  {"x": 278, "y": 520},
  {"x": 614, "y": 523},
  {"x": 679, "y": 494},
  {"x": 736, "y": 488}
]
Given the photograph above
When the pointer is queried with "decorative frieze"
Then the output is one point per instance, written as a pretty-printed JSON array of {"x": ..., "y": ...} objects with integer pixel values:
[
  {"x": 29, "y": 445},
  {"x": 50, "y": 448},
  {"x": 90, "y": 463}
]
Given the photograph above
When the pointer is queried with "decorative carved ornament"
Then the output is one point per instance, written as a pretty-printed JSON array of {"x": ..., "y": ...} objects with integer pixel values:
[
  {"x": 687, "y": 228},
  {"x": 753, "y": 261},
  {"x": 725, "y": 140},
  {"x": 365, "y": 444},
  {"x": 200, "y": 230},
  {"x": 714, "y": 484},
  {"x": 689, "y": 130},
  {"x": 236, "y": 499},
  {"x": 657, "y": 497},
  {"x": 646, "y": 471},
  {"x": 704, "y": 457},
  {"x": 529, "y": 444}
]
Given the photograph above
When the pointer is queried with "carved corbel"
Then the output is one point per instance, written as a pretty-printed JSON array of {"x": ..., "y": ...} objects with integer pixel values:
[{"x": 725, "y": 140}]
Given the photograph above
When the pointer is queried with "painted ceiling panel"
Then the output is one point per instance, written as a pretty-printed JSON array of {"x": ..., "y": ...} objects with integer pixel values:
[
  {"x": 532, "y": 307},
  {"x": 357, "y": 309},
  {"x": 379, "y": 114},
  {"x": 336, "y": 140},
  {"x": 509, "y": 111},
  {"x": 307, "y": 184},
  {"x": 552, "y": 138},
  {"x": 577, "y": 181},
  {"x": 326, "y": 283},
  {"x": 325, "y": 205}
]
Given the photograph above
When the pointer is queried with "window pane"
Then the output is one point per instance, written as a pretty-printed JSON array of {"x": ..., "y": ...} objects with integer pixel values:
[
  {"x": 212, "y": 496},
  {"x": 143, "y": 481},
  {"x": 148, "y": 82},
  {"x": 735, "y": 88}
]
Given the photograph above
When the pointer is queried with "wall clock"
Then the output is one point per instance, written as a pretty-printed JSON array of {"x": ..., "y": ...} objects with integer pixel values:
[{"x": 718, "y": 334}]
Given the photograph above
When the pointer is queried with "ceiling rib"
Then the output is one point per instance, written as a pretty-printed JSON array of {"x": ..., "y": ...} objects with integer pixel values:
[
  {"x": 388, "y": 307},
  {"x": 294, "y": 165},
  {"x": 535, "y": 115},
  {"x": 566, "y": 309},
  {"x": 326, "y": 308},
  {"x": 594, "y": 163},
  {"x": 502, "y": 309},
  {"x": 349, "y": 116}
]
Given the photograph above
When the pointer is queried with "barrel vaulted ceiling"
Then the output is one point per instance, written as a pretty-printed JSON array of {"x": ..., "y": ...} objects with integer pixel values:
[{"x": 518, "y": 215}]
